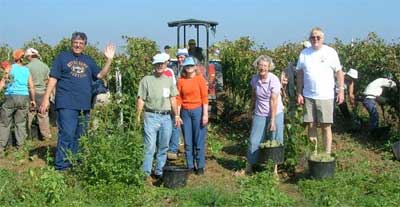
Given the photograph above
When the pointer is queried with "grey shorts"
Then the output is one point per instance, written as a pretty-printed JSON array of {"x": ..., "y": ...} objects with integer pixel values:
[{"x": 318, "y": 111}]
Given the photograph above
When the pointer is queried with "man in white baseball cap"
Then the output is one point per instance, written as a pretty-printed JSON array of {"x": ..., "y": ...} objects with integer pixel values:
[
  {"x": 40, "y": 75},
  {"x": 156, "y": 96}
]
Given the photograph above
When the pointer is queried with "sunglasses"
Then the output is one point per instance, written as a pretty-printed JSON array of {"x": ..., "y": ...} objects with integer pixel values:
[{"x": 315, "y": 37}]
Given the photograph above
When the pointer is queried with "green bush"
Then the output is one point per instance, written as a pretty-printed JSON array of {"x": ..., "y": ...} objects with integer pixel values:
[
  {"x": 261, "y": 190},
  {"x": 111, "y": 153}
]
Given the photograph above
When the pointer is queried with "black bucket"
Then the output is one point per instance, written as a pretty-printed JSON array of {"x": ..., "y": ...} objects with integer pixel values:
[
  {"x": 175, "y": 176},
  {"x": 321, "y": 170},
  {"x": 35, "y": 131},
  {"x": 396, "y": 150},
  {"x": 276, "y": 154}
]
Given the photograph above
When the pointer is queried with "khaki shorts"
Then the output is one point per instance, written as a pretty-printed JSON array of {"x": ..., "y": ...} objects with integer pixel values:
[{"x": 318, "y": 111}]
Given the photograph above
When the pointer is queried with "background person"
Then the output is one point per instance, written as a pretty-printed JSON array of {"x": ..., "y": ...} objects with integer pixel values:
[
  {"x": 176, "y": 130},
  {"x": 372, "y": 92},
  {"x": 195, "y": 51},
  {"x": 267, "y": 109},
  {"x": 72, "y": 74},
  {"x": 316, "y": 68},
  {"x": 40, "y": 75},
  {"x": 349, "y": 84},
  {"x": 156, "y": 96},
  {"x": 193, "y": 107},
  {"x": 20, "y": 95}
]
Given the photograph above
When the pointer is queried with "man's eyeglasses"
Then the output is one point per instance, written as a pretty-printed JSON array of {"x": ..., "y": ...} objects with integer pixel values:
[{"x": 315, "y": 37}]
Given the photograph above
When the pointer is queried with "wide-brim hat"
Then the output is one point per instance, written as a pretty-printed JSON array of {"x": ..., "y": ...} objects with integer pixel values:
[
  {"x": 188, "y": 61},
  {"x": 353, "y": 73}
]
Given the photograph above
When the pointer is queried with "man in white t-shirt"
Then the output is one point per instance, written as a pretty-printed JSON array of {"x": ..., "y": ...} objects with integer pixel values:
[
  {"x": 373, "y": 91},
  {"x": 316, "y": 70}
]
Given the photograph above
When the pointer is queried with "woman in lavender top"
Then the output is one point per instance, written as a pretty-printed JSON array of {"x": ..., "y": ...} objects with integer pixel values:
[{"x": 267, "y": 109}]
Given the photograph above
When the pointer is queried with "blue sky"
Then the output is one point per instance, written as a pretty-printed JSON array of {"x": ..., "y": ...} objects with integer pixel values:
[{"x": 268, "y": 22}]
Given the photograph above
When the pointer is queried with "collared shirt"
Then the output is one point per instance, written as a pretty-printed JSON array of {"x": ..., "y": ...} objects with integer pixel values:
[
  {"x": 375, "y": 88},
  {"x": 156, "y": 92},
  {"x": 263, "y": 92}
]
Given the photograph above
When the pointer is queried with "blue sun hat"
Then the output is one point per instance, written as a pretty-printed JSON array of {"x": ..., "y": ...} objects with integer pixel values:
[{"x": 188, "y": 61}]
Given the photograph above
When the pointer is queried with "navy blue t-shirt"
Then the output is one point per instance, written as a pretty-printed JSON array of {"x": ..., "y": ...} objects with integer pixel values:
[{"x": 75, "y": 75}]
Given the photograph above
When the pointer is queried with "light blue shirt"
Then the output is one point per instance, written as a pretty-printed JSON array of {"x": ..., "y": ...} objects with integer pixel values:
[{"x": 18, "y": 84}]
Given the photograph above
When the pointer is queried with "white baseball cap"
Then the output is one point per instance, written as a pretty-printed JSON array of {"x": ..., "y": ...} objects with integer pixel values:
[
  {"x": 160, "y": 58},
  {"x": 31, "y": 51}
]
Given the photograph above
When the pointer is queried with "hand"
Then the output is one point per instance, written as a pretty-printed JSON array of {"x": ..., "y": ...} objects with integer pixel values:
[
  {"x": 340, "y": 97},
  {"x": 109, "y": 51},
  {"x": 300, "y": 99},
  {"x": 32, "y": 106},
  {"x": 204, "y": 120},
  {"x": 44, "y": 106},
  {"x": 313, "y": 139},
  {"x": 178, "y": 121},
  {"x": 272, "y": 126}
]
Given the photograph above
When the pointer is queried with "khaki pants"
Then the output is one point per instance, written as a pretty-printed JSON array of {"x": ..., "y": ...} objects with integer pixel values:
[
  {"x": 15, "y": 108},
  {"x": 42, "y": 119}
]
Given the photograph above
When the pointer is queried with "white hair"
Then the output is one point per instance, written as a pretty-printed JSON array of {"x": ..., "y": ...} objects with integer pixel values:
[{"x": 265, "y": 58}]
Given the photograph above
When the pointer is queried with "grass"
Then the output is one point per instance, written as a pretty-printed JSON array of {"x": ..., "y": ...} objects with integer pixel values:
[{"x": 365, "y": 176}]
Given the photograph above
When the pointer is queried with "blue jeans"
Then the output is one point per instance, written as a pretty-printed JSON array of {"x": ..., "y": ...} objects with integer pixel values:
[
  {"x": 157, "y": 130},
  {"x": 72, "y": 125},
  {"x": 370, "y": 105},
  {"x": 194, "y": 134},
  {"x": 259, "y": 130},
  {"x": 174, "y": 142}
]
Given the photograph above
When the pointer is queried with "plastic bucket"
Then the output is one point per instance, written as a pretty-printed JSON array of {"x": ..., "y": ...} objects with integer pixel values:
[
  {"x": 321, "y": 170},
  {"x": 276, "y": 154},
  {"x": 396, "y": 150},
  {"x": 175, "y": 176}
]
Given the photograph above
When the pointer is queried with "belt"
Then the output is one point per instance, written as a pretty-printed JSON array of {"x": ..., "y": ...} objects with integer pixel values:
[{"x": 158, "y": 112}]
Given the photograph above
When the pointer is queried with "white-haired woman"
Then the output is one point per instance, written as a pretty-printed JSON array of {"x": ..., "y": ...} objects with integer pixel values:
[{"x": 267, "y": 109}]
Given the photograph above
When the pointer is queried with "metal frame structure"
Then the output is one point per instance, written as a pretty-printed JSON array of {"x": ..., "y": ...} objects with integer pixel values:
[{"x": 196, "y": 24}]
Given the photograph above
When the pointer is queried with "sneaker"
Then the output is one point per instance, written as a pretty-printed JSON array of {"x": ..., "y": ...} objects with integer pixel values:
[
  {"x": 172, "y": 156},
  {"x": 200, "y": 171}
]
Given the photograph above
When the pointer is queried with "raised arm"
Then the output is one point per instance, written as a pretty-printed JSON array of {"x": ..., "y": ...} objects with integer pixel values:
[{"x": 109, "y": 52}]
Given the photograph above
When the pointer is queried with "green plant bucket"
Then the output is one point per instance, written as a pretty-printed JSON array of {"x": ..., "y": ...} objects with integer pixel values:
[
  {"x": 276, "y": 154},
  {"x": 321, "y": 170},
  {"x": 396, "y": 150},
  {"x": 175, "y": 176}
]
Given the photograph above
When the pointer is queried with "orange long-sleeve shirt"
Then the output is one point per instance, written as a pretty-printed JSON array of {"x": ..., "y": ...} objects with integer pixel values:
[{"x": 192, "y": 92}]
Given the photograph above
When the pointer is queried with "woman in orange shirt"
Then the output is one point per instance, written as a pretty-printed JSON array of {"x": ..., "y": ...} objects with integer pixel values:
[{"x": 193, "y": 107}]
